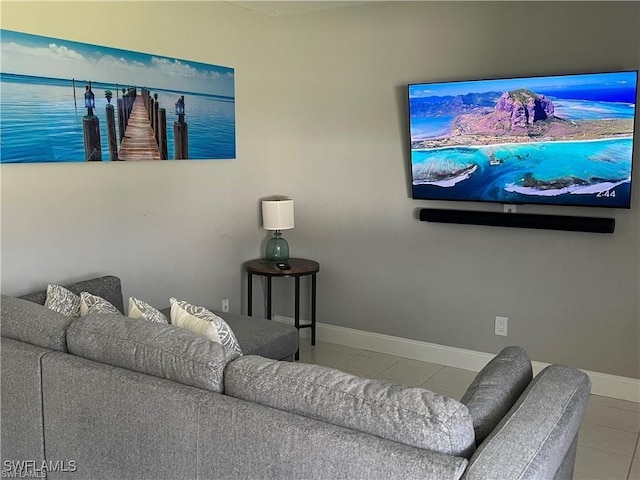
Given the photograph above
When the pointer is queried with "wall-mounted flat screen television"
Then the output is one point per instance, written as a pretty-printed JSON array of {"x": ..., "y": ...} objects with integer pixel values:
[{"x": 563, "y": 140}]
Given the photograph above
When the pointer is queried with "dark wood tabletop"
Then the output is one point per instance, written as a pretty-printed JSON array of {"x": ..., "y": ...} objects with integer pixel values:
[{"x": 299, "y": 266}]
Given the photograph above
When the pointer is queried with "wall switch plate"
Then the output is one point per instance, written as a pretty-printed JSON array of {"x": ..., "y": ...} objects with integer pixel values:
[
  {"x": 225, "y": 305},
  {"x": 501, "y": 326}
]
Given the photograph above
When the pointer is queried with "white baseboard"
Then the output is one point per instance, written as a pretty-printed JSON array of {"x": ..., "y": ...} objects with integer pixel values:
[{"x": 604, "y": 384}]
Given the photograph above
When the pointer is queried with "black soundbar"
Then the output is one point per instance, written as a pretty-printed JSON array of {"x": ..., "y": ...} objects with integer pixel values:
[{"x": 520, "y": 220}]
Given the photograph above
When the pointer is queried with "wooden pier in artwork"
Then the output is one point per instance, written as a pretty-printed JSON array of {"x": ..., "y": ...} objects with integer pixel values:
[
  {"x": 142, "y": 127},
  {"x": 139, "y": 141}
]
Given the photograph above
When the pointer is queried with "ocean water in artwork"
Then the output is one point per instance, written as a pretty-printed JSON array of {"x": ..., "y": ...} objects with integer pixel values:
[{"x": 41, "y": 120}]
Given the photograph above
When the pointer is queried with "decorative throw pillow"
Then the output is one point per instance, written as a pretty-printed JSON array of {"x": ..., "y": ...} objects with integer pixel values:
[
  {"x": 63, "y": 301},
  {"x": 92, "y": 303},
  {"x": 202, "y": 321},
  {"x": 140, "y": 309}
]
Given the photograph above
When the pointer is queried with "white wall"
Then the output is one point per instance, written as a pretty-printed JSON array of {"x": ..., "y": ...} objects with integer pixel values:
[
  {"x": 166, "y": 228},
  {"x": 321, "y": 115},
  {"x": 570, "y": 297}
]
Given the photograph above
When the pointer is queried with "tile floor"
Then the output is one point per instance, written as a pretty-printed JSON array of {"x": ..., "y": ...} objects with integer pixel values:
[{"x": 608, "y": 440}]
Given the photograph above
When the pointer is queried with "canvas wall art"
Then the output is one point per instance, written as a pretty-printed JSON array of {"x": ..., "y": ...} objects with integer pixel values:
[{"x": 64, "y": 101}]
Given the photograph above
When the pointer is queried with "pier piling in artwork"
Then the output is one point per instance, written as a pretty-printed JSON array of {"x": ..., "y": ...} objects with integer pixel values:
[
  {"x": 111, "y": 133},
  {"x": 181, "y": 133},
  {"x": 155, "y": 124},
  {"x": 91, "y": 128},
  {"x": 128, "y": 97},
  {"x": 92, "y": 147},
  {"x": 162, "y": 115},
  {"x": 121, "y": 125},
  {"x": 75, "y": 102}
]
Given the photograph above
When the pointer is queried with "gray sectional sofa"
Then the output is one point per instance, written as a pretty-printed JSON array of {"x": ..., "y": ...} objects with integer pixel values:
[{"x": 105, "y": 396}]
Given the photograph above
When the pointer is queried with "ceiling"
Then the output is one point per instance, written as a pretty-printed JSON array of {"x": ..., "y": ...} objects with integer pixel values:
[{"x": 282, "y": 8}]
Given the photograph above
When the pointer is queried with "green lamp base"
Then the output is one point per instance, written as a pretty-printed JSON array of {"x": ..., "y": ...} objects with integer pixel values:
[{"x": 277, "y": 248}]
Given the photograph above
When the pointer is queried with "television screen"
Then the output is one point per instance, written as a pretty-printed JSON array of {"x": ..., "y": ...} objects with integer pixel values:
[{"x": 564, "y": 140}]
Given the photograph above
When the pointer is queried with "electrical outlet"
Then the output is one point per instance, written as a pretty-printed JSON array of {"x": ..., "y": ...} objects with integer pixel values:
[
  {"x": 501, "y": 326},
  {"x": 225, "y": 305}
]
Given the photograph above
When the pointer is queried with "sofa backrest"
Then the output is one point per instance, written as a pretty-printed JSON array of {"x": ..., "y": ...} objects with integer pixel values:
[
  {"x": 158, "y": 349},
  {"x": 244, "y": 440},
  {"x": 411, "y": 416},
  {"x": 107, "y": 287},
  {"x": 149, "y": 427}
]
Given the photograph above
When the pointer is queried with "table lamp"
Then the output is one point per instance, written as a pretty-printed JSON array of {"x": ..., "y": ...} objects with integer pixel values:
[{"x": 277, "y": 215}]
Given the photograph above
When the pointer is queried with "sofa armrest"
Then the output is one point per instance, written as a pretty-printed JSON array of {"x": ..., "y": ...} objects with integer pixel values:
[
  {"x": 29, "y": 322},
  {"x": 21, "y": 412},
  {"x": 534, "y": 438}
]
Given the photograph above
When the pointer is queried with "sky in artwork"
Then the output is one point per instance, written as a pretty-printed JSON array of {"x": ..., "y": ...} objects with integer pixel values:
[{"x": 35, "y": 55}]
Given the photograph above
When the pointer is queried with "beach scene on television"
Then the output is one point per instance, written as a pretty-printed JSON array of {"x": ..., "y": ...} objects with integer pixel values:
[
  {"x": 65, "y": 101},
  {"x": 555, "y": 140}
]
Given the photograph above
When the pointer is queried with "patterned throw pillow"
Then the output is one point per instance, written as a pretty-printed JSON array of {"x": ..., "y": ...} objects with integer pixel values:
[
  {"x": 63, "y": 301},
  {"x": 202, "y": 321},
  {"x": 140, "y": 309},
  {"x": 92, "y": 303}
]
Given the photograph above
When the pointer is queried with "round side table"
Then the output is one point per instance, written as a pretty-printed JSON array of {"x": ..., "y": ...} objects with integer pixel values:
[{"x": 300, "y": 267}]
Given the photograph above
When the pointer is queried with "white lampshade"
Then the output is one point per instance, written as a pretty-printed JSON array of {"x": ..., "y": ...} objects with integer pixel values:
[{"x": 277, "y": 214}]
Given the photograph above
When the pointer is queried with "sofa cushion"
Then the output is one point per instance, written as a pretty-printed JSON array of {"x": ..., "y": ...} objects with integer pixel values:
[
  {"x": 35, "y": 324},
  {"x": 259, "y": 336},
  {"x": 152, "y": 348},
  {"x": 496, "y": 388},
  {"x": 411, "y": 416},
  {"x": 107, "y": 287}
]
